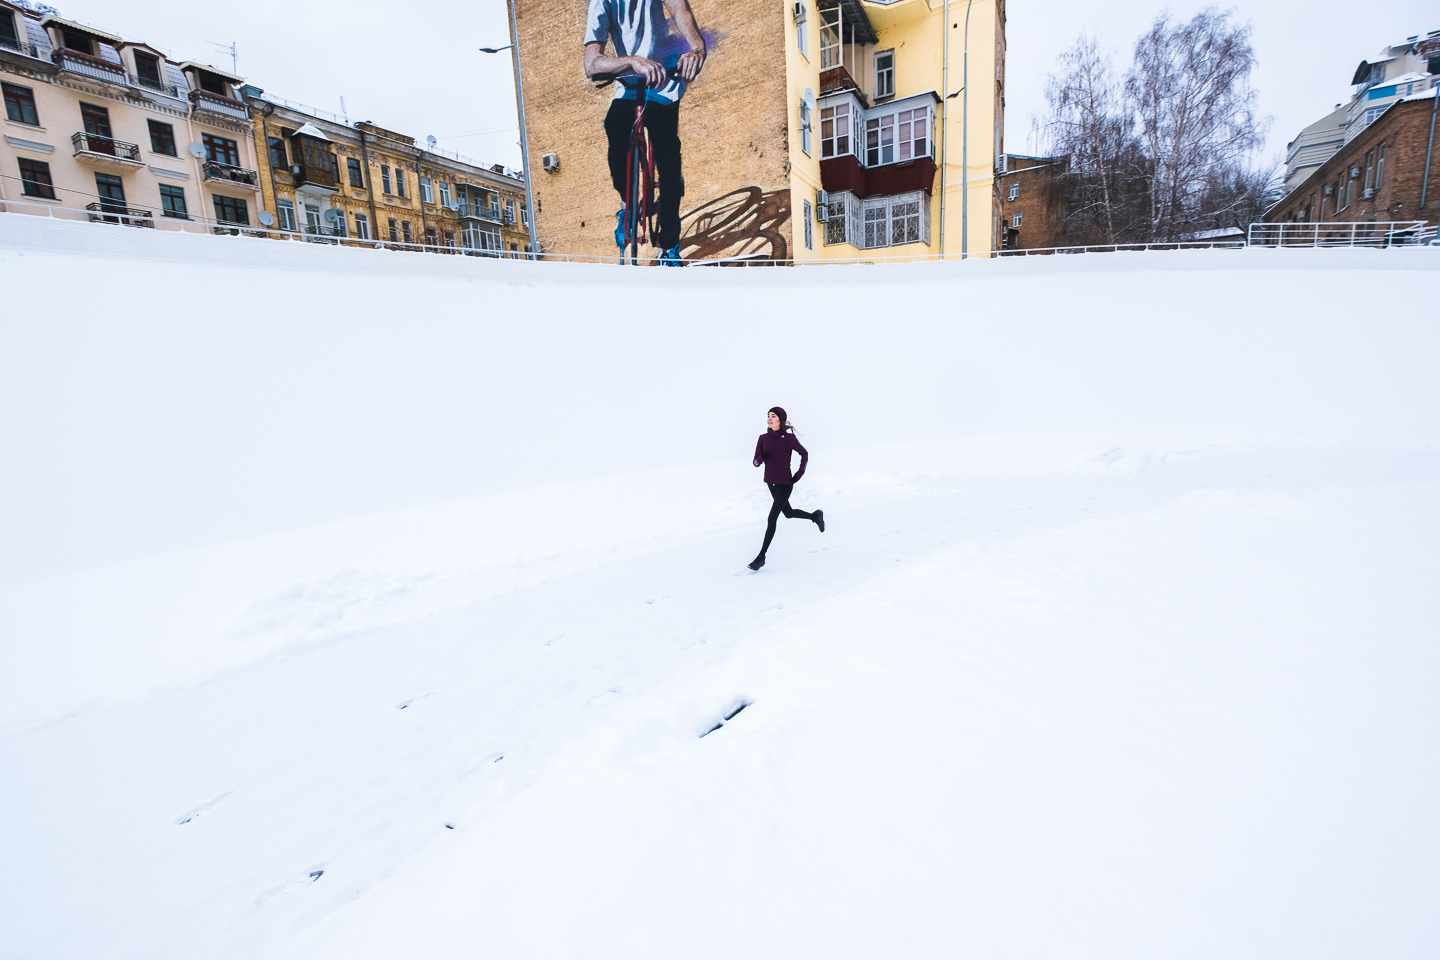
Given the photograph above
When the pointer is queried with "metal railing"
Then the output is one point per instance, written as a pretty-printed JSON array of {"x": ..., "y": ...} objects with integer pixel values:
[
  {"x": 24, "y": 49},
  {"x": 319, "y": 233},
  {"x": 214, "y": 170},
  {"x": 1120, "y": 248},
  {"x": 105, "y": 146},
  {"x": 111, "y": 212},
  {"x": 475, "y": 211},
  {"x": 86, "y": 65},
  {"x": 213, "y": 102},
  {"x": 158, "y": 86},
  {"x": 1381, "y": 233}
]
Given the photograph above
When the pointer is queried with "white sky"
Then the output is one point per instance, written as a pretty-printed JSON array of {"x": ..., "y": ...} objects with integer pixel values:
[{"x": 416, "y": 68}]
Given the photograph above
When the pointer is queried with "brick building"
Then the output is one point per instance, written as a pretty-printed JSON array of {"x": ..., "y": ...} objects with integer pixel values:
[
  {"x": 1032, "y": 206},
  {"x": 817, "y": 129},
  {"x": 1378, "y": 176}
]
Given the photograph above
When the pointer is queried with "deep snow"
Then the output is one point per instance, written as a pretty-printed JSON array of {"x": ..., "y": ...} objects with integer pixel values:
[{"x": 364, "y": 605}]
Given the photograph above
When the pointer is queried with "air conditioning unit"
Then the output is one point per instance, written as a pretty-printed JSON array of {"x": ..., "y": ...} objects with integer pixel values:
[
  {"x": 1369, "y": 194},
  {"x": 1329, "y": 190},
  {"x": 1354, "y": 173},
  {"x": 551, "y": 163},
  {"x": 799, "y": 11}
]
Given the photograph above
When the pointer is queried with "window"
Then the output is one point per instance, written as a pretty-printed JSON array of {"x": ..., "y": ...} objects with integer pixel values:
[
  {"x": 97, "y": 121},
  {"x": 427, "y": 195},
  {"x": 1379, "y": 164},
  {"x": 1369, "y": 169},
  {"x": 279, "y": 156},
  {"x": 809, "y": 212},
  {"x": 509, "y": 211},
  {"x": 285, "y": 215},
  {"x": 362, "y": 226},
  {"x": 1371, "y": 114},
  {"x": 805, "y": 127},
  {"x": 35, "y": 175},
  {"x": 394, "y": 231},
  {"x": 835, "y": 130},
  {"x": 444, "y": 194},
  {"x": 385, "y": 179},
  {"x": 1016, "y": 221},
  {"x": 212, "y": 84},
  {"x": 232, "y": 210},
  {"x": 162, "y": 138},
  {"x": 357, "y": 176},
  {"x": 449, "y": 238},
  {"x": 75, "y": 40},
  {"x": 842, "y": 218},
  {"x": 111, "y": 190},
  {"x": 885, "y": 74},
  {"x": 802, "y": 33},
  {"x": 431, "y": 238},
  {"x": 8, "y": 37},
  {"x": 221, "y": 150},
  {"x": 880, "y": 140},
  {"x": 20, "y": 104},
  {"x": 895, "y": 220},
  {"x": 1014, "y": 190},
  {"x": 405, "y": 226},
  {"x": 399, "y": 182},
  {"x": 172, "y": 202},
  {"x": 476, "y": 237},
  {"x": 832, "y": 54},
  {"x": 913, "y": 129},
  {"x": 147, "y": 70}
]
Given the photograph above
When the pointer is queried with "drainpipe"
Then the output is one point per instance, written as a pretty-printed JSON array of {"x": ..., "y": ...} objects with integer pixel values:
[
  {"x": 369, "y": 188},
  {"x": 965, "y": 142},
  {"x": 1429, "y": 149},
  {"x": 420, "y": 198},
  {"x": 944, "y": 120},
  {"x": 265, "y": 112}
]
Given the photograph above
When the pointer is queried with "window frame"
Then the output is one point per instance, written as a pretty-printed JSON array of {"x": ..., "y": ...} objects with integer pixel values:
[
  {"x": 802, "y": 35},
  {"x": 906, "y": 143},
  {"x": 884, "y": 76},
  {"x": 1014, "y": 190},
  {"x": 17, "y": 98},
  {"x": 875, "y": 156},
  {"x": 832, "y": 39},
  {"x": 809, "y": 213},
  {"x": 362, "y": 226},
  {"x": 355, "y": 172},
  {"x": 445, "y": 195},
  {"x": 285, "y": 215},
  {"x": 841, "y": 114},
  {"x": 805, "y": 126},
  {"x": 400, "y": 182},
  {"x": 7, "y": 20},
  {"x": 278, "y": 153},
  {"x": 1016, "y": 218},
  {"x": 141, "y": 57},
  {"x": 169, "y": 193},
  {"x": 217, "y": 146},
  {"x": 1379, "y": 164},
  {"x": 385, "y": 179},
  {"x": 427, "y": 190},
  {"x": 220, "y": 201},
  {"x": 160, "y": 131},
  {"x": 44, "y": 189}
]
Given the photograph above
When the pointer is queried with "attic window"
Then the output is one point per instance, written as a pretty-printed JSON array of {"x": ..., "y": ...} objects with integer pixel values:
[
  {"x": 147, "y": 69},
  {"x": 212, "y": 84},
  {"x": 7, "y": 30},
  {"x": 75, "y": 40}
]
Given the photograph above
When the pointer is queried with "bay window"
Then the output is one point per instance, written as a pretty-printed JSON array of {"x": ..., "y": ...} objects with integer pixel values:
[{"x": 835, "y": 130}]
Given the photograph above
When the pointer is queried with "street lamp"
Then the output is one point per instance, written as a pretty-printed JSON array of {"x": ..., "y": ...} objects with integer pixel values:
[{"x": 524, "y": 137}]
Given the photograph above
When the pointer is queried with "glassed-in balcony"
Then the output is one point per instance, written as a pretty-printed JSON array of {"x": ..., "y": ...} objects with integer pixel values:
[{"x": 73, "y": 61}]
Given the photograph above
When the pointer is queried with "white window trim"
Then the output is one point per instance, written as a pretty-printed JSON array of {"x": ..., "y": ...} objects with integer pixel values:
[
  {"x": 888, "y": 73},
  {"x": 805, "y": 127},
  {"x": 809, "y": 212},
  {"x": 427, "y": 192}
]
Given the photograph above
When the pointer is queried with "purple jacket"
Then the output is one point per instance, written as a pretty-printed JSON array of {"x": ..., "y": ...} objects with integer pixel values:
[{"x": 773, "y": 450}]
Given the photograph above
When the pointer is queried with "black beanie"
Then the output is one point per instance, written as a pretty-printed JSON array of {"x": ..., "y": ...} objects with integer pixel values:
[{"x": 780, "y": 412}]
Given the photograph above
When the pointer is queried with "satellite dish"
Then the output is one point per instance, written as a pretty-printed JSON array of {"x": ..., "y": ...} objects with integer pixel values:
[
  {"x": 430, "y": 141},
  {"x": 197, "y": 150},
  {"x": 267, "y": 219},
  {"x": 333, "y": 215}
]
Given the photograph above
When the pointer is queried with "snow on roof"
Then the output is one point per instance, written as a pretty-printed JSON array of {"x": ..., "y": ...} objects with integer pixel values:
[
  {"x": 1427, "y": 95},
  {"x": 310, "y": 130}
]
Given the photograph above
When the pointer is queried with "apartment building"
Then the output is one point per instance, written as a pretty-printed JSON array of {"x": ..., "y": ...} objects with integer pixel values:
[
  {"x": 816, "y": 129},
  {"x": 114, "y": 126},
  {"x": 1399, "y": 70},
  {"x": 327, "y": 179}
]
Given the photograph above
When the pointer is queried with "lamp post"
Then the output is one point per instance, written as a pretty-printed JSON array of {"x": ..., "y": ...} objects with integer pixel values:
[
  {"x": 514, "y": 49},
  {"x": 964, "y": 134}
]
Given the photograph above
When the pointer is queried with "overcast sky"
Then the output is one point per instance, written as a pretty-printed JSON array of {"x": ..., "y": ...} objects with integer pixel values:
[{"x": 416, "y": 68}]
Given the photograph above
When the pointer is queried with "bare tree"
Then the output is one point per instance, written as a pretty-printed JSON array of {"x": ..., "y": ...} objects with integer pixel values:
[
  {"x": 1189, "y": 88},
  {"x": 1165, "y": 152}
]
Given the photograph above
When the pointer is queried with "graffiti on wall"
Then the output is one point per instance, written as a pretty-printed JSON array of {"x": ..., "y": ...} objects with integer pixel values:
[{"x": 745, "y": 224}]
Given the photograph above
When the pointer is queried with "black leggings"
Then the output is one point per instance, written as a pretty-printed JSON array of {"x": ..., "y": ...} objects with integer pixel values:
[{"x": 781, "y": 494}]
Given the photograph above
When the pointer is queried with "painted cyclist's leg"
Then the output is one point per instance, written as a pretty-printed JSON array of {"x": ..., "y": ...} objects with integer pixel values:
[
  {"x": 619, "y": 121},
  {"x": 662, "y": 120}
]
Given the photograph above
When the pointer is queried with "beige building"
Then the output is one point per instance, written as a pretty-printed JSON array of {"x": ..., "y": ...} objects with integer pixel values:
[
  {"x": 324, "y": 178},
  {"x": 111, "y": 126}
]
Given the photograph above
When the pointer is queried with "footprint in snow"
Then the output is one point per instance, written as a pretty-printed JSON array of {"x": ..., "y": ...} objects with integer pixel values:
[
  {"x": 734, "y": 712},
  {"x": 190, "y": 815}
]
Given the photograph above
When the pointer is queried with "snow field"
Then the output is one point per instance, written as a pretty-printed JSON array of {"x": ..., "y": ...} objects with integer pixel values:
[{"x": 388, "y": 623}]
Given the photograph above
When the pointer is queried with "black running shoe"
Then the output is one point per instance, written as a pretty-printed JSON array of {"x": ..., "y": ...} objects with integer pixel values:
[
  {"x": 757, "y": 563},
  {"x": 820, "y": 520}
]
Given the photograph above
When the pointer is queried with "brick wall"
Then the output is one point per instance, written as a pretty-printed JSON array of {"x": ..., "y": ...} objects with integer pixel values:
[
  {"x": 1038, "y": 202},
  {"x": 1404, "y": 129},
  {"x": 733, "y": 130}
]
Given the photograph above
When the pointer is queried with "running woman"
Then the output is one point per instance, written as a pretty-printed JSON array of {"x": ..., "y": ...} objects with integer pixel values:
[{"x": 773, "y": 450}]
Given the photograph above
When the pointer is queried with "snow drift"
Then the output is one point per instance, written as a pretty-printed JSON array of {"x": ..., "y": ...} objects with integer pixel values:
[{"x": 363, "y": 605}]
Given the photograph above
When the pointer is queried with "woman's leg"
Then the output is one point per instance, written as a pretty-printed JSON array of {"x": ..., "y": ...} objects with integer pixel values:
[
  {"x": 780, "y": 503},
  {"x": 783, "y": 499}
]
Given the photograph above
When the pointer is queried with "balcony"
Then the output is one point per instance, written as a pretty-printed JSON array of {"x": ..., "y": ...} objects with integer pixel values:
[
  {"x": 107, "y": 152},
  {"x": 23, "y": 49},
  {"x": 147, "y": 85},
  {"x": 73, "y": 61},
  {"x": 314, "y": 179},
  {"x": 107, "y": 211},
  {"x": 838, "y": 80},
  {"x": 225, "y": 174},
  {"x": 318, "y": 233},
  {"x": 474, "y": 211},
  {"x": 206, "y": 102},
  {"x": 846, "y": 173}
]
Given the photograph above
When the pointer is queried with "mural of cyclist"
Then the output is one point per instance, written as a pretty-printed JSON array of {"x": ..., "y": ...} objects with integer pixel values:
[{"x": 650, "y": 38}]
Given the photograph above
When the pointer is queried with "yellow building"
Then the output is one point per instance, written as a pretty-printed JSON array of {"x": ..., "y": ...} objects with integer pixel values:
[
  {"x": 815, "y": 129},
  {"x": 325, "y": 179}
]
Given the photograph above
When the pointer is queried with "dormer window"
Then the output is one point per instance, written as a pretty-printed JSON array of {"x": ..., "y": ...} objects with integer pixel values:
[
  {"x": 8, "y": 36},
  {"x": 75, "y": 40},
  {"x": 212, "y": 84},
  {"x": 147, "y": 70}
]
